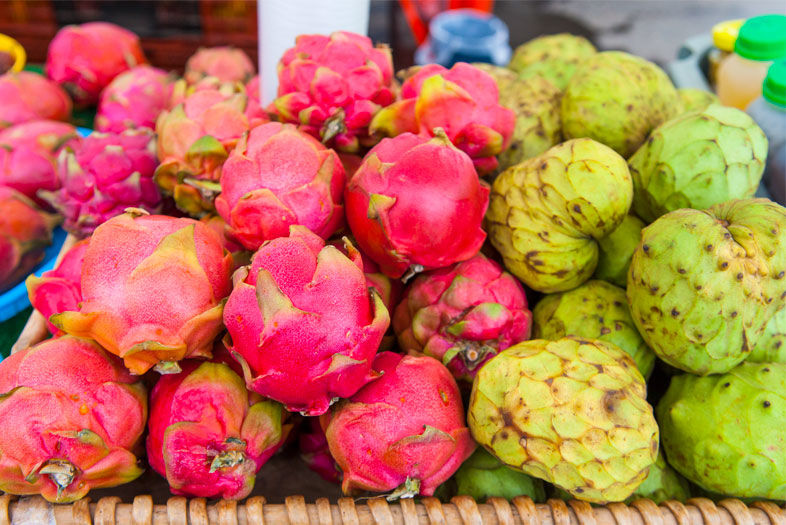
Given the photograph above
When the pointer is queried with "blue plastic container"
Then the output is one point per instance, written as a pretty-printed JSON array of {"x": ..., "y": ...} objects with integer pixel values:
[
  {"x": 465, "y": 35},
  {"x": 15, "y": 300}
]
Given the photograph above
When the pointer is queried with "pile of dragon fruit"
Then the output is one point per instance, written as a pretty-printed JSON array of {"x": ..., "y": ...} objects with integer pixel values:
[{"x": 239, "y": 266}]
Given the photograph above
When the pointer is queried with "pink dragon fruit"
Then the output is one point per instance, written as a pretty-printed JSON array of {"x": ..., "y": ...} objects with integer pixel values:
[
  {"x": 389, "y": 290},
  {"x": 209, "y": 436},
  {"x": 253, "y": 93},
  {"x": 218, "y": 225},
  {"x": 84, "y": 59},
  {"x": 315, "y": 452},
  {"x": 25, "y": 231},
  {"x": 302, "y": 324},
  {"x": 416, "y": 203},
  {"x": 72, "y": 420},
  {"x": 28, "y": 154},
  {"x": 278, "y": 176},
  {"x": 332, "y": 86},
  {"x": 107, "y": 173},
  {"x": 134, "y": 99},
  {"x": 404, "y": 432},
  {"x": 194, "y": 140},
  {"x": 152, "y": 290},
  {"x": 227, "y": 64},
  {"x": 59, "y": 290},
  {"x": 29, "y": 96},
  {"x": 464, "y": 101},
  {"x": 463, "y": 315}
]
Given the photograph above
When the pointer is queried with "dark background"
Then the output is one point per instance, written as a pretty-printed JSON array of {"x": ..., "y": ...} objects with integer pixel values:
[{"x": 171, "y": 30}]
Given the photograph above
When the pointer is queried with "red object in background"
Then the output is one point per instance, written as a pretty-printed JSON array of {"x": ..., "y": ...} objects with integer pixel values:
[{"x": 420, "y": 12}]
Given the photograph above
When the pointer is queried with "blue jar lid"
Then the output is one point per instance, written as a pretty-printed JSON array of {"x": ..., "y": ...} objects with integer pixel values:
[{"x": 465, "y": 35}]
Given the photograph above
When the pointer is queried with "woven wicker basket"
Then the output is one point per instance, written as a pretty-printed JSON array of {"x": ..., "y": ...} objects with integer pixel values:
[{"x": 143, "y": 510}]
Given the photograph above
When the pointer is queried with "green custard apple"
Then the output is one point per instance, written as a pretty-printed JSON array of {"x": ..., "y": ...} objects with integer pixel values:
[
  {"x": 704, "y": 284},
  {"x": 697, "y": 160},
  {"x": 483, "y": 476},
  {"x": 725, "y": 432},
  {"x": 553, "y": 57},
  {"x": 572, "y": 412},
  {"x": 616, "y": 251},
  {"x": 692, "y": 99},
  {"x": 771, "y": 346},
  {"x": 595, "y": 310},
  {"x": 617, "y": 99},
  {"x": 547, "y": 213}
]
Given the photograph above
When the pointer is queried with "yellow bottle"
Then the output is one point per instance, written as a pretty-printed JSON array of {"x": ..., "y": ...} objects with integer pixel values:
[
  {"x": 724, "y": 35},
  {"x": 740, "y": 75}
]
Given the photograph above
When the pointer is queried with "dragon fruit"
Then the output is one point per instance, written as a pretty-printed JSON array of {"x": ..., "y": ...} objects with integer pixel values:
[
  {"x": 152, "y": 290},
  {"x": 278, "y": 176},
  {"x": 72, "y": 420},
  {"x": 134, "y": 99},
  {"x": 25, "y": 231},
  {"x": 253, "y": 92},
  {"x": 404, "y": 432},
  {"x": 332, "y": 86},
  {"x": 194, "y": 140},
  {"x": 59, "y": 290},
  {"x": 29, "y": 96},
  {"x": 416, "y": 203},
  {"x": 302, "y": 321},
  {"x": 218, "y": 225},
  {"x": 464, "y": 101},
  {"x": 108, "y": 173},
  {"x": 314, "y": 451},
  {"x": 85, "y": 58},
  {"x": 463, "y": 315},
  {"x": 227, "y": 64},
  {"x": 28, "y": 154},
  {"x": 209, "y": 436}
]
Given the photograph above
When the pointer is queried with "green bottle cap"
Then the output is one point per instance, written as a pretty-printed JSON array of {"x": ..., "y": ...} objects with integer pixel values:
[
  {"x": 774, "y": 88},
  {"x": 762, "y": 38}
]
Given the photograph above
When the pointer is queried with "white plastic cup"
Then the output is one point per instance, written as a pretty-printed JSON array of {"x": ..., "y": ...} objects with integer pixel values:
[{"x": 280, "y": 21}]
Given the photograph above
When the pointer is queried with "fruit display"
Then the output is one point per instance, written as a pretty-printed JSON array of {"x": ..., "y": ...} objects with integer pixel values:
[
  {"x": 724, "y": 432},
  {"x": 134, "y": 99},
  {"x": 208, "y": 434},
  {"x": 463, "y": 315},
  {"x": 617, "y": 99},
  {"x": 552, "y": 57},
  {"x": 405, "y": 231},
  {"x": 60, "y": 289},
  {"x": 103, "y": 176},
  {"x": 225, "y": 63},
  {"x": 153, "y": 290},
  {"x": 260, "y": 201},
  {"x": 697, "y": 160},
  {"x": 29, "y": 96},
  {"x": 332, "y": 86},
  {"x": 25, "y": 231},
  {"x": 301, "y": 298},
  {"x": 73, "y": 418},
  {"x": 463, "y": 101},
  {"x": 404, "y": 433},
  {"x": 546, "y": 214},
  {"x": 733, "y": 259},
  {"x": 28, "y": 156},
  {"x": 572, "y": 412},
  {"x": 594, "y": 310},
  {"x": 456, "y": 280},
  {"x": 85, "y": 58}
]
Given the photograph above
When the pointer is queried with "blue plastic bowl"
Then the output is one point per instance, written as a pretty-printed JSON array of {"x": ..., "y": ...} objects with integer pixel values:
[{"x": 15, "y": 300}]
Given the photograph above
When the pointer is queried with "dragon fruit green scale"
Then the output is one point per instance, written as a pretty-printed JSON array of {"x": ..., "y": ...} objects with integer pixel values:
[
  {"x": 597, "y": 310},
  {"x": 546, "y": 214},
  {"x": 725, "y": 432},
  {"x": 697, "y": 160},
  {"x": 572, "y": 412},
  {"x": 703, "y": 284}
]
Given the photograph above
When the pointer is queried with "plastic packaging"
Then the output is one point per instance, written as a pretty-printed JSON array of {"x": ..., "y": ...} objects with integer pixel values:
[
  {"x": 280, "y": 21},
  {"x": 769, "y": 112},
  {"x": 465, "y": 35},
  {"x": 724, "y": 35},
  {"x": 761, "y": 40}
]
